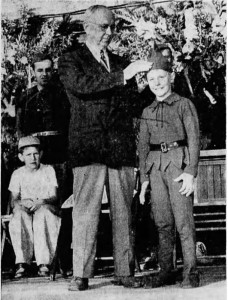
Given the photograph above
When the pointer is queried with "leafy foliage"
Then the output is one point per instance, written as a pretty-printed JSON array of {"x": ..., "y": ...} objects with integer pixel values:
[
  {"x": 22, "y": 40},
  {"x": 196, "y": 34}
]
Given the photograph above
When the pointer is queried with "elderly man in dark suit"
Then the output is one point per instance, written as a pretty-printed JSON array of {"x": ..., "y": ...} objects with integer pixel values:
[{"x": 103, "y": 96}]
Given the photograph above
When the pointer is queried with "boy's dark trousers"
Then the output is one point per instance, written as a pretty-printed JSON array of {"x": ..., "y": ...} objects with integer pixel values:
[{"x": 170, "y": 208}]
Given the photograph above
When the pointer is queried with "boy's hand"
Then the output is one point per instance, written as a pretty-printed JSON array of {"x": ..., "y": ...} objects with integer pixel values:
[
  {"x": 28, "y": 203},
  {"x": 36, "y": 205},
  {"x": 143, "y": 192},
  {"x": 188, "y": 184}
]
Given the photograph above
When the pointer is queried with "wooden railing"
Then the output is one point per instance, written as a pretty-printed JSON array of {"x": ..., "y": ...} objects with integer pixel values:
[
  {"x": 210, "y": 204},
  {"x": 210, "y": 182}
]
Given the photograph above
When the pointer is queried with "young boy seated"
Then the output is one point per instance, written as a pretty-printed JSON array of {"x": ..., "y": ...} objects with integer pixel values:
[
  {"x": 168, "y": 158},
  {"x": 35, "y": 224}
]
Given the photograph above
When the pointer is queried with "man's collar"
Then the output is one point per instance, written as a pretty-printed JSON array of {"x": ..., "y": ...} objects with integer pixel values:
[
  {"x": 95, "y": 50},
  {"x": 40, "y": 88}
]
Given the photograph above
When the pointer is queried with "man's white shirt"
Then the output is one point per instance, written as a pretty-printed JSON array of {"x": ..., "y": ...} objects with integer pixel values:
[{"x": 97, "y": 54}]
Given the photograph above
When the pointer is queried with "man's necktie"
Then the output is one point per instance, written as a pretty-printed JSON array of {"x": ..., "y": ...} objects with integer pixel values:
[{"x": 104, "y": 60}]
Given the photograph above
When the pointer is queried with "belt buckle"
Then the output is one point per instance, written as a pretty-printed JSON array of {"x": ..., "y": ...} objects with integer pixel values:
[{"x": 164, "y": 147}]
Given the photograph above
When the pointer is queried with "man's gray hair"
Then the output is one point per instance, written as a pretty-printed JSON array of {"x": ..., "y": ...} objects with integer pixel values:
[{"x": 92, "y": 10}]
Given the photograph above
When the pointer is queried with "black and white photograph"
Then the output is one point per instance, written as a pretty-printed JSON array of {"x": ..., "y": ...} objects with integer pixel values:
[{"x": 113, "y": 149}]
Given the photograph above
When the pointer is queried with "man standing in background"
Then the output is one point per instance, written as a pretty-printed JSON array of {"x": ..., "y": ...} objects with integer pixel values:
[{"x": 44, "y": 111}]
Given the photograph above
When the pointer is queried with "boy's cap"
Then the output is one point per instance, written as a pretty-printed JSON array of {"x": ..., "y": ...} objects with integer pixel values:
[
  {"x": 27, "y": 141},
  {"x": 160, "y": 61}
]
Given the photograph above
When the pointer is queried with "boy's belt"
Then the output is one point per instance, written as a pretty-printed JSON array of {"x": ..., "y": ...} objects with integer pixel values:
[
  {"x": 46, "y": 133},
  {"x": 165, "y": 147}
]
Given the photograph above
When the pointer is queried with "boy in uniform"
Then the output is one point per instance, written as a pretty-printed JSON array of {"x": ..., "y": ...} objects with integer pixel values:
[{"x": 168, "y": 157}]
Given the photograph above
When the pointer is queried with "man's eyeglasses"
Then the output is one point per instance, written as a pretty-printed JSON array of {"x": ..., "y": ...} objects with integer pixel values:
[{"x": 104, "y": 27}]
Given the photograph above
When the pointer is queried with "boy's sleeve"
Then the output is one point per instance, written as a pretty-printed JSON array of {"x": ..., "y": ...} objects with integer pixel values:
[
  {"x": 143, "y": 146},
  {"x": 52, "y": 176},
  {"x": 14, "y": 185},
  {"x": 191, "y": 123}
]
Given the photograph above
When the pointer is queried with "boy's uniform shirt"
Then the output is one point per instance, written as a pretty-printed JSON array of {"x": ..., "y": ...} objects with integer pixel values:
[{"x": 170, "y": 120}]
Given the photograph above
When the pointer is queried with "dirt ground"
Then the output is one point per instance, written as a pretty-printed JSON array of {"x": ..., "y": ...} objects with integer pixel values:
[{"x": 213, "y": 287}]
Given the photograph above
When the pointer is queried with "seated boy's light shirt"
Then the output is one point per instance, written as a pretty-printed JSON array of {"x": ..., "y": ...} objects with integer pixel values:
[{"x": 34, "y": 185}]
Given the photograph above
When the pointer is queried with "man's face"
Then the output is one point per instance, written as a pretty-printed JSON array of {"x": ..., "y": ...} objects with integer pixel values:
[
  {"x": 31, "y": 157},
  {"x": 100, "y": 28},
  {"x": 43, "y": 72},
  {"x": 160, "y": 83}
]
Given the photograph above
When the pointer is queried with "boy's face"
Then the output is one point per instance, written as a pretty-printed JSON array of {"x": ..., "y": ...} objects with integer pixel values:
[
  {"x": 31, "y": 157},
  {"x": 160, "y": 83}
]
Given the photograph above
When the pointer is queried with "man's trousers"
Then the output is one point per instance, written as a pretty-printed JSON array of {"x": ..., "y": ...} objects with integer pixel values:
[
  {"x": 34, "y": 233},
  {"x": 88, "y": 188},
  {"x": 170, "y": 208}
]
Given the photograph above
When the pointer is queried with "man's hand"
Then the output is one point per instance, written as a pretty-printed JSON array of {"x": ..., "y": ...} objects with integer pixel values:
[
  {"x": 36, "y": 205},
  {"x": 143, "y": 192},
  {"x": 136, "y": 67},
  {"x": 188, "y": 184}
]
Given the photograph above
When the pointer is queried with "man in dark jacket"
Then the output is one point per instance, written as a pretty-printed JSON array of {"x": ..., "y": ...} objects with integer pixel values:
[
  {"x": 101, "y": 144},
  {"x": 44, "y": 111}
]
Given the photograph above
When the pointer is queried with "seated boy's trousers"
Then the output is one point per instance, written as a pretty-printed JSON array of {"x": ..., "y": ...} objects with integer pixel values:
[
  {"x": 36, "y": 232},
  {"x": 89, "y": 184},
  {"x": 170, "y": 208}
]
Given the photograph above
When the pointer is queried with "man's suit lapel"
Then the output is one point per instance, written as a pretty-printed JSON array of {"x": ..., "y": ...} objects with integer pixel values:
[
  {"x": 115, "y": 62},
  {"x": 91, "y": 62}
]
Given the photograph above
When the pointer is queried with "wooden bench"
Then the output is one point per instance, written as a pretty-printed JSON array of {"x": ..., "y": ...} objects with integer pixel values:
[
  {"x": 210, "y": 199},
  {"x": 210, "y": 182}
]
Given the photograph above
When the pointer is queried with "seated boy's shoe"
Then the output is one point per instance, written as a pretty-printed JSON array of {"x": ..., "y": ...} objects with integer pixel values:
[
  {"x": 21, "y": 271},
  {"x": 157, "y": 281},
  {"x": 191, "y": 281},
  {"x": 43, "y": 270},
  {"x": 127, "y": 282},
  {"x": 79, "y": 284}
]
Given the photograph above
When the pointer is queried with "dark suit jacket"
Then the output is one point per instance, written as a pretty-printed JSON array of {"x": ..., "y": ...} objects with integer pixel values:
[
  {"x": 102, "y": 109},
  {"x": 46, "y": 110}
]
